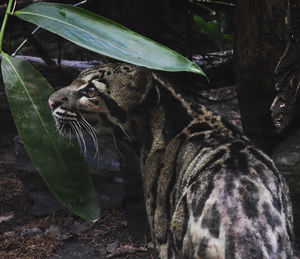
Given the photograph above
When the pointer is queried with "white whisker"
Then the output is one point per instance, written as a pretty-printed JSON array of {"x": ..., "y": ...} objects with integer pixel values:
[
  {"x": 77, "y": 125},
  {"x": 123, "y": 130},
  {"x": 80, "y": 139},
  {"x": 115, "y": 142},
  {"x": 92, "y": 132},
  {"x": 76, "y": 134}
]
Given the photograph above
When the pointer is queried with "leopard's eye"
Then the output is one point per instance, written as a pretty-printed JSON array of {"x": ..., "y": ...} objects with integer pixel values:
[{"x": 91, "y": 91}]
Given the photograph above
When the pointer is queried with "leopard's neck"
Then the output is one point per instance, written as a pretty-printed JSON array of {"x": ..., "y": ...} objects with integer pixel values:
[
  {"x": 154, "y": 127},
  {"x": 168, "y": 117}
]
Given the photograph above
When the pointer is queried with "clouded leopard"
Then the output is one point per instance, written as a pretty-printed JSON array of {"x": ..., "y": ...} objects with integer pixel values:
[{"x": 209, "y": 192}]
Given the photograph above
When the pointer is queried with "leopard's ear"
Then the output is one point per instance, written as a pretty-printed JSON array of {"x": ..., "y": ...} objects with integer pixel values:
[
  {"x": 143, "y": 83},
  {"x": 147, "y": 91},
  {"x": 131, "y": 89}
]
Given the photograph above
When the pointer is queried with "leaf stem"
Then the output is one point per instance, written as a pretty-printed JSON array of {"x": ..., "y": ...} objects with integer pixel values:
[
  {"x": 36, "y": 30},
  {"x": 8, "y": 9}
]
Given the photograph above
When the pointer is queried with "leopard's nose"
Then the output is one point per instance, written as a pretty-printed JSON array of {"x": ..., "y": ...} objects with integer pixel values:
[{"x": 54, "y": 104}]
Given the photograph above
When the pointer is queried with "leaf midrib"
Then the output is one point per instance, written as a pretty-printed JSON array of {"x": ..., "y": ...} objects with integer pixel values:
[
  {"x": 71, "y": 25},
  {"x": 109, "y": 41},
  {"x": 34, "y": 105}
]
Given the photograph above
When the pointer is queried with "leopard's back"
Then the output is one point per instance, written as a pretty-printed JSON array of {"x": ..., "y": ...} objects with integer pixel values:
[{"x": 214, "y": 195}]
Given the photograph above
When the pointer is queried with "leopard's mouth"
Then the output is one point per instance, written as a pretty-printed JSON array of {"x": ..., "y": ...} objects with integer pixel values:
[
  {"x": 66, "y": 121},
  {"x": 70, "y": 123}
]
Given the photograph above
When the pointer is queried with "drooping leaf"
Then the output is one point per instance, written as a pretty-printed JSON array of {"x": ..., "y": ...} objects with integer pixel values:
[
  {"x": 215, "y": 31},
  {"x": 58, "y": 162},
  {"x": 212, "y": 30},
  {"x": 104, "y": 36}
]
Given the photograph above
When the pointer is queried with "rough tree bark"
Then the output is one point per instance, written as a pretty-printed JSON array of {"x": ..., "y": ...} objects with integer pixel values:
[
  {"x": 285, "y": 107},
  {"x": 260, "y": 38}
]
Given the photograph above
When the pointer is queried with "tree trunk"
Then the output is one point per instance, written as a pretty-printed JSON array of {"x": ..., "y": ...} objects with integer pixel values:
[
  {"x": 260, "y": 38},
  {"x": 286, "y": 105}
]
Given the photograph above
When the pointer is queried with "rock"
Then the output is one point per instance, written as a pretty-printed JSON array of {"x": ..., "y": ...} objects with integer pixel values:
[
  {"x": 287, "y": 155},
  {"x": 77, "y": 250},
  {"x": 111, "y": 195},
  {"x": 58, "y": 231},
  {"x": 3, "y": 101},
  {"x": 44, "y": 203},
  {"x": 5, "y": 141},
  {"x": 112, "y": 247},
  {"x": 31, "y": 232},
  {"x": 9, "y": 234},
  {"x": 6, "y": 216},
  {"x": 79, "y": 227},
  {"x": 22, "y": 159},
  {"x": 107, "y": 159}
]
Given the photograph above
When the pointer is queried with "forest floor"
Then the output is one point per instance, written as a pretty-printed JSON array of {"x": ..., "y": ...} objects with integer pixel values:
[{"x": 60, "y": 234}]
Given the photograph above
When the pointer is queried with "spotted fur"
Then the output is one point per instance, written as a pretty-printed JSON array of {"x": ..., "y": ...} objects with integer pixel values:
[{"x": 209, "y": 192}]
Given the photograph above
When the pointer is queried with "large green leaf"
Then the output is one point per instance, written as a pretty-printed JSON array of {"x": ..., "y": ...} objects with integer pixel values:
[
  {"x": 104, "y": 36},
  {"x": 59, "y": 163}
]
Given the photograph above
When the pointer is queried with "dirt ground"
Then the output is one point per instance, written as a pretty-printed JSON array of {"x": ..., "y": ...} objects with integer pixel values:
[{"x": 61, "y": 234}]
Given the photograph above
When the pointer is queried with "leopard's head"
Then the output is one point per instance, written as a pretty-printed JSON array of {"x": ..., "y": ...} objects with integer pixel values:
[{"x": 100, "y": 99}]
